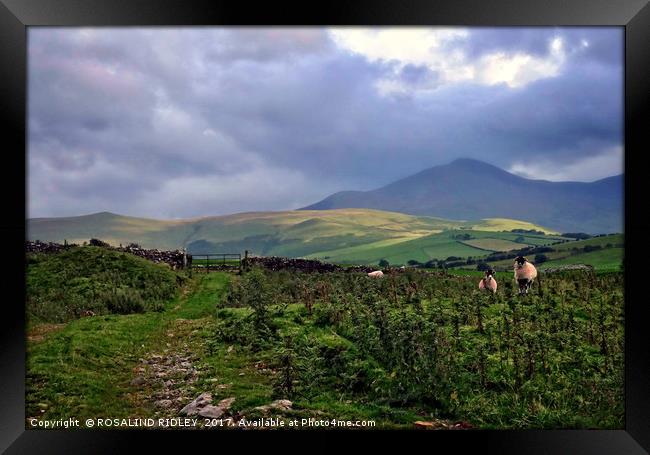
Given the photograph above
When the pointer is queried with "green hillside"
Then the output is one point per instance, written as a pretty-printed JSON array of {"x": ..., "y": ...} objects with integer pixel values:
[
  {"x": 609, "y": 259},
  {"x": 436, "y": 246},
  {"x": 615, "y": 240},
  {"x": 342, "y": 235},
  {"x": 603, "y": 253},
  {"x": 63, "y": 286}
]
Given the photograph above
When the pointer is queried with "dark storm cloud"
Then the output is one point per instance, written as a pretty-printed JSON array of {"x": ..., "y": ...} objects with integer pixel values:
[
  {"x": 189, "y": 122},
  {"x": 416, "y": 73}
]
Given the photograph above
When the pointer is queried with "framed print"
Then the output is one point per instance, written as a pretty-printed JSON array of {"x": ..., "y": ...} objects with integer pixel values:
[{"x": 417, "y": 220}]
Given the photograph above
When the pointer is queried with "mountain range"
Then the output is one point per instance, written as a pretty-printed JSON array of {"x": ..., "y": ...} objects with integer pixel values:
[{"x": 468, "y": 189}]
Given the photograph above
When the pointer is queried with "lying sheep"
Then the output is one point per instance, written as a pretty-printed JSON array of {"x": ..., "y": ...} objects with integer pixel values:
[
  {"x": 376, "y": 274},
  {"x": 525, "y": 274},
  {"x": 488, "y": 283}
]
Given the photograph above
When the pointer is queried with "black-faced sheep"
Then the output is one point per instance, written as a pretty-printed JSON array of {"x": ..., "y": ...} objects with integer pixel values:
[
  {"x": 525, "y": 274},
  {"x": 488, "y": 283}
]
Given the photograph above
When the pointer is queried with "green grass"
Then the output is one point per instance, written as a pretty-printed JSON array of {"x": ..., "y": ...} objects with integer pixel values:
[
  {"x": 84, "y": 369},
  {"x": 344, "y": 368},
  {"x": 609, "y": 259},
  {"x": 435, "y": 246},
  {"x": 61, "y": 286},
  {"x": 215, "y": 261},
  {"x": 614, "y": 240},
  {"x": 341, "y": 365}
]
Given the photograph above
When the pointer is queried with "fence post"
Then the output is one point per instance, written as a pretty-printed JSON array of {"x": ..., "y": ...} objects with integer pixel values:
[
  {"x": 184, "y": 258},
  {"x": 245, "y": 260}
]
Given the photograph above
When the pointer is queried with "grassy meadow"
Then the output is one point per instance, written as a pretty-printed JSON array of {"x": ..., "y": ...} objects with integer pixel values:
[{"x": 414, "y": 346}]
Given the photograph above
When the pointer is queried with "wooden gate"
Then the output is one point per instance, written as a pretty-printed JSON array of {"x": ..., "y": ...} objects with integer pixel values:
[{"x": 217, "y": 261}]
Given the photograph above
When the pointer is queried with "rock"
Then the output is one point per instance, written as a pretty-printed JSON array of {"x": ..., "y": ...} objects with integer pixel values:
[
  {"x": 199, "y": 403},
  {"x": 442, "y": 424},
  {"x": 462, "y": 425},
  {"x": 281, "y": 405},
  {"x": 423, "y": 424},
  {"x": 138, "y": 381},
  {"x": 163, "y": 403},
  {"x": 211, "y": 412},
  {"x": 172, "y": 258},
  {"x": 226, "y": 403},
  {"x": 429, "y": 425}
]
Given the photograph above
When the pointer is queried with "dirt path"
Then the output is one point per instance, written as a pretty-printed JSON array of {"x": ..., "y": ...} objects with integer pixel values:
[
  {"x": 38, "y": 333},
  {"x": 165, "y": 379}
]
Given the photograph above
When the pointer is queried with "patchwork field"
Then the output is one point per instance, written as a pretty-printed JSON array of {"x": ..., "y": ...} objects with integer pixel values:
[
  {"x": 345, "y": 235},
  {"x": 489, "y": 244},
  {"x": 610, "y": 259},
  {"x": 607, "y": 255},
  {"x": 436, "y": 246}
]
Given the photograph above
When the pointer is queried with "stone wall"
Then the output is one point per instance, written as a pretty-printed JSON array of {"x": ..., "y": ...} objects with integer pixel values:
[
  {"x": 302, "y": 265},
  {"x": 173, "y": 258}
]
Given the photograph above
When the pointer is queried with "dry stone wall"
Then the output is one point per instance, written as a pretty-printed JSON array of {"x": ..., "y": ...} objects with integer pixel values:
[{"x": 173, "y": 258}]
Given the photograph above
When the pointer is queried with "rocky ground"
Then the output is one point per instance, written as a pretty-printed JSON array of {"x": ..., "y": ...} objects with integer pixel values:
[{"x": 167, "y": 382}]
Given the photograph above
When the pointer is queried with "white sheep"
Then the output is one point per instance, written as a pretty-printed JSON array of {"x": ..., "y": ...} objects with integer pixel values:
[
  {"x": 488, "y": 283},
  {"x": 525, "y": 274},
  {"x": 376, "y": 274}
]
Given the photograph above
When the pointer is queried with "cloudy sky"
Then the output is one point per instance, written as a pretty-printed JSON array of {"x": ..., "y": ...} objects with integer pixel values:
[{"x": 185, "y": 122}]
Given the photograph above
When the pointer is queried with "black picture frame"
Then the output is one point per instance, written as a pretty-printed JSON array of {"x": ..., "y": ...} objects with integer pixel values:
[{"x": 17, "y": 15}]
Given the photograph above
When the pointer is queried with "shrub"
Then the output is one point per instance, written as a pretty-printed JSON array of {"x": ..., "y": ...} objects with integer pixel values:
[
  {"x": 122, "y": 301},
  {"x": 539, "y": 258},
  {"x": 431, "y": 343},
  {"x": 577, "y": 235}
]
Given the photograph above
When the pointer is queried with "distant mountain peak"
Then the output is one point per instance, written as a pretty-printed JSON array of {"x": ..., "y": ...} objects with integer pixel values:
[
  {"x": 467, "y": 161},
  {"x": 476, "y": 165},
  {"x": 471, "y": 189}
]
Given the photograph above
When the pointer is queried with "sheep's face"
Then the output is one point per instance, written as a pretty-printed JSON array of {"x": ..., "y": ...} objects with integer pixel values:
[
  {"x": 520, "y": 261},
  {"x": 489, "y": 273}
]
